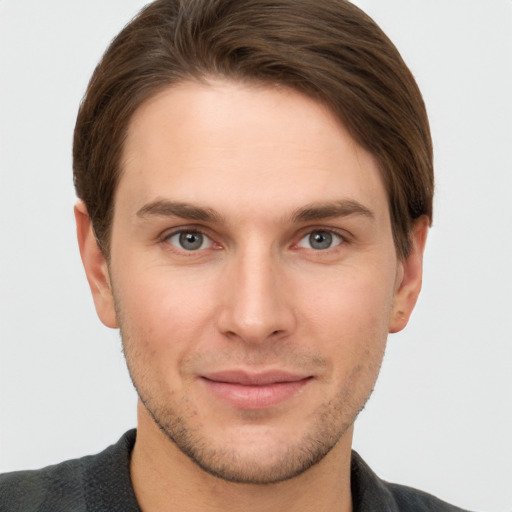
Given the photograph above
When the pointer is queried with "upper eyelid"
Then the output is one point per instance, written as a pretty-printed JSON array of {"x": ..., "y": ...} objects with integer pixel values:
[
  {"x": 343, "y": 233},
  {"x": 204, "y": 238},
  {"x": 336, "y": 232},
  {"x": 299, "y": 235},
  {"x": 164, "y": 241},
  {"x": 167, "y": 233},
  {"x": 342, "y": 236}
]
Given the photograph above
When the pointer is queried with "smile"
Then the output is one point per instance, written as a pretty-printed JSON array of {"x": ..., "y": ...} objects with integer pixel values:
[{"x": 254, "y": 391}]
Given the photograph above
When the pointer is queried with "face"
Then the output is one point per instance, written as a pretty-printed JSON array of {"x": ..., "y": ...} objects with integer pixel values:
[{"x": 252, "y": 274}]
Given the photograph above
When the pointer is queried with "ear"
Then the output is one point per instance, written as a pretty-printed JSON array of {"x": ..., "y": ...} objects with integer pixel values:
[
  {"x": 95, "y": 266},
  {"x": 409, "y": 277}
]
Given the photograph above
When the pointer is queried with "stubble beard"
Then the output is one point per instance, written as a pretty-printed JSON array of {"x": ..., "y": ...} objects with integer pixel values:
[
  {"x": 227, "y": 464},
  {"x": 331, "y": 421}
]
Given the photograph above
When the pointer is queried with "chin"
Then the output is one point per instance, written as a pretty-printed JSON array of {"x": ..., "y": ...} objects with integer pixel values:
[
  {"x": 252, "y": 453},
  {"x": 259, "y": 464}
]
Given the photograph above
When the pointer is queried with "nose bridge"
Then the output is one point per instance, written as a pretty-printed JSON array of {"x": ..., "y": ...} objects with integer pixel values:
[{"x": 257, "y": 306}]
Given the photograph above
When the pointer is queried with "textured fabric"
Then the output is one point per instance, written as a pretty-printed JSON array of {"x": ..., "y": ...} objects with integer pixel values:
[
  {"x": 101, "y": 483},
  {"x": 370, "y": 493},
  {"x": 97, "y": 483}
]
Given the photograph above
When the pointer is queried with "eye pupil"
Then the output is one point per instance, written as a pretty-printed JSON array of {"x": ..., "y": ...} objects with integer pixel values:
[
  {"x": 320, "y": 240},
  {"x": 191, "y": 241}
]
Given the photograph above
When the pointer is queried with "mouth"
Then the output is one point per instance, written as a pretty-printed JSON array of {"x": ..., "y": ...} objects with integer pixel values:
[{"x": 244, "y": 390}]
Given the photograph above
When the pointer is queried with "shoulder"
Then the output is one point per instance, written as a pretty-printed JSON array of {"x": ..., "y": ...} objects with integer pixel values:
[
  {"x": 370, "y": 493},
  {"x": 77, "y": 485},
  {"x": 54, "y": 488},
  {"x": 409, "y": 499}
]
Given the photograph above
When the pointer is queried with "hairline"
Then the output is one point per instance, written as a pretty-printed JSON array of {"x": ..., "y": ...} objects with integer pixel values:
[{"x": 209, "y": 80}]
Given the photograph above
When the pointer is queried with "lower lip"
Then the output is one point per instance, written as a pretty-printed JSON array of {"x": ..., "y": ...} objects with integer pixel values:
[{"x": 255, "y": 397}]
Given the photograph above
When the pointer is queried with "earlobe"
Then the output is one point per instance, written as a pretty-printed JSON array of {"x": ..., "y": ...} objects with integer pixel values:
[
  {"x": 409, "y": 278},
  {"x": 95, "y": 266}
]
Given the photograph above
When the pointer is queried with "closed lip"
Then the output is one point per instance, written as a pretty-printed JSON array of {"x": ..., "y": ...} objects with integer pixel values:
[
  {"x": 254, "y": 390},
  {"x": 245, "y": 378}
]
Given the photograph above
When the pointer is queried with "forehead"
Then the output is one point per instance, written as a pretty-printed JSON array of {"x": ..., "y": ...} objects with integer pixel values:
[{"x": 235, "y": 146}]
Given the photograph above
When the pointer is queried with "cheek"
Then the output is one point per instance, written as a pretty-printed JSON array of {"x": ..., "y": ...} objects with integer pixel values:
[
  {"x": 161, "y": 315},
  {"x": 349, "y": 319},
  {"x": 349, "y": 301}
]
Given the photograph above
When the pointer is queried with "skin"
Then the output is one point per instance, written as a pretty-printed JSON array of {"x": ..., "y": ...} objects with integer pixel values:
[{"x": 295, "y": 271}]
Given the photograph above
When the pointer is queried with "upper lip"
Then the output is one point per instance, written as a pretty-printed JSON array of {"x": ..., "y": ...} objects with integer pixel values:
[{"x": 245, "y": 378}]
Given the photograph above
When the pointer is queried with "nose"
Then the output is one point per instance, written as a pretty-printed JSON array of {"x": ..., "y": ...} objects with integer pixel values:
[{"x": 256, "y": 305}]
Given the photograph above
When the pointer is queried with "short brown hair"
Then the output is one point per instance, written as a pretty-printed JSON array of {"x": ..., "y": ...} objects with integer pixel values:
[{"x": 327, "y": 49}]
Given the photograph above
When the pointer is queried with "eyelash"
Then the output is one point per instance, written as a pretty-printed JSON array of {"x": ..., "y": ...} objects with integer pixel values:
[
  {"x": 342, "y": 235},
  {"x": 165, "y": 239},
  {"x": 331, "y": 232}
]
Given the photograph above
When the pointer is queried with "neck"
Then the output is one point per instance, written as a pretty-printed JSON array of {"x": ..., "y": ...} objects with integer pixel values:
[{"x": 166, "y": 479}]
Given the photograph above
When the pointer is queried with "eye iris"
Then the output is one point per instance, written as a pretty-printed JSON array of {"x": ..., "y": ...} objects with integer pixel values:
[
  {"x": 191, "y": 241},
  {"x": 320, "y": 240}
]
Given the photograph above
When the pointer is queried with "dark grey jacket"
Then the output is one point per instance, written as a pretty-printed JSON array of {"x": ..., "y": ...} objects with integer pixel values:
[{"x": 101, "y": 483}]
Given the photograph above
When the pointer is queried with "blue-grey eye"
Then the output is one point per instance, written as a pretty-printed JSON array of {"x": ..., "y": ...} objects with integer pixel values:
[
  {"x": 190, "y": 240},
  {"x": 319, "y": 240}
]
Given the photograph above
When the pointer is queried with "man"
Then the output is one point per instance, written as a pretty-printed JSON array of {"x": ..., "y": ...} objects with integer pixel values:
[{"x": 255, "y": 185}]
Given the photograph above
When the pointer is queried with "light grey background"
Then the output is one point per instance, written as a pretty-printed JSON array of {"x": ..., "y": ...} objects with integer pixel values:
[{"x": 440, "y": 418}]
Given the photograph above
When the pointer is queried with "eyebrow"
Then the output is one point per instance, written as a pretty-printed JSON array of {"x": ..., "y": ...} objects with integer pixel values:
[
  {"x": 343, "y": 208},
  {"x": 311, "y": 212},
  {"x": 166, "y": 208}
]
